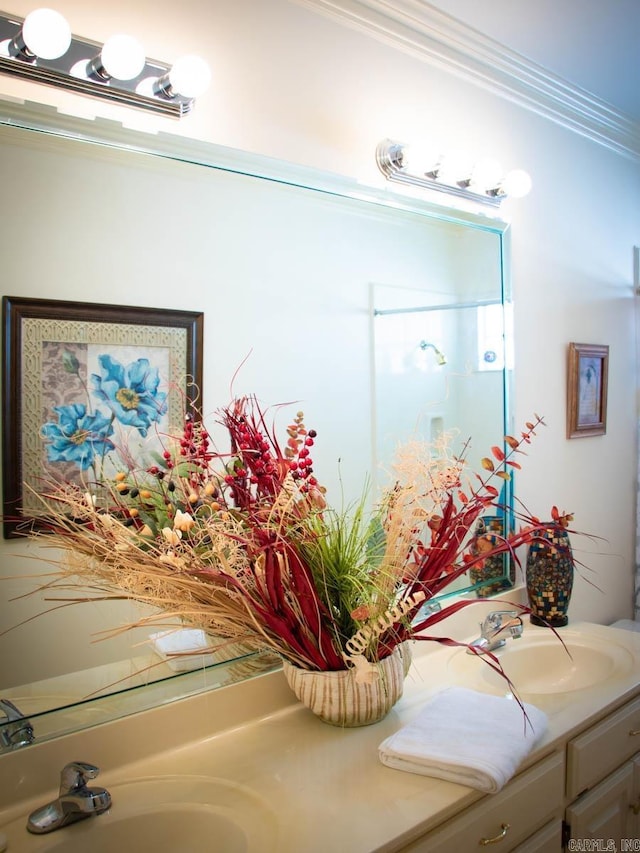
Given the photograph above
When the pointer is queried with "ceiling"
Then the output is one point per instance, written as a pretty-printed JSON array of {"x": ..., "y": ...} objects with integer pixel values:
[{"x": 593, "y": 44}]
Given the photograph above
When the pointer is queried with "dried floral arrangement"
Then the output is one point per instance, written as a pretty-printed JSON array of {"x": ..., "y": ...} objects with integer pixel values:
[{"x": 244, "y": 545}]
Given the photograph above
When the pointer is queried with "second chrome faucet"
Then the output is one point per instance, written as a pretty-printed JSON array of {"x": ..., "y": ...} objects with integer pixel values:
[{"x": 495, "y": 630}]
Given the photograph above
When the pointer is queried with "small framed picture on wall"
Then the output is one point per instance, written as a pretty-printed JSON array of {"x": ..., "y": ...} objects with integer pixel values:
[{"x": 587, "y": 378}]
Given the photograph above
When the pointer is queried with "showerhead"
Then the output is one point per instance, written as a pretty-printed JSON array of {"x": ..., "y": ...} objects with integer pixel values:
[{"x": 440, "y": 357}]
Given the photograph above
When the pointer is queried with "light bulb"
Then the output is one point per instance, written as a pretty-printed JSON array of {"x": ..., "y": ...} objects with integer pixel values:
[
  {"x": 486, "y": 174},
  {"x": 516, "y": 184},
  {"x": 190, "y": 76},
  {"x": 418, "y": 160},
  {"x": 122, "y": 57},
  {"x": 46, "y": 33},
  {"x": 455, "y": 167}
]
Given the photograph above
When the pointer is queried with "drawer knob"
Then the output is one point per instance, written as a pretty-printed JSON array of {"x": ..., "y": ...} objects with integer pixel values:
[
  {"x": 635, "y": 809},
  {"x": 504, "y": 828},
  {"x": 634, "y": 732}
]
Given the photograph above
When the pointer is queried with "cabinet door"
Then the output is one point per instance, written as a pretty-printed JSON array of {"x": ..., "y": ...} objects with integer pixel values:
[
  {"x": 634, "y": 806},
  {"x": 604, "y": 812}
]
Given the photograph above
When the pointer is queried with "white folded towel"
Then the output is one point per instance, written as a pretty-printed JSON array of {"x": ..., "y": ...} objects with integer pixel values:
[
  {"x": 467, "y": 737},
  {"x": 183, "y": 649}
]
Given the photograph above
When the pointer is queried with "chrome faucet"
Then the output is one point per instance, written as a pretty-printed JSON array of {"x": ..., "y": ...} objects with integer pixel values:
[
  {"x": 75, "y": 802},
  {"x": 495, "y": 630},
  {"x": 16, "y": 730}
]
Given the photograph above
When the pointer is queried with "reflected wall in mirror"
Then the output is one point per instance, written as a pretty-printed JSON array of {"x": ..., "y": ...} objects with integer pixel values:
[
  {"x": 281, "y": 261},
  {"x": 443, "y": 358}
]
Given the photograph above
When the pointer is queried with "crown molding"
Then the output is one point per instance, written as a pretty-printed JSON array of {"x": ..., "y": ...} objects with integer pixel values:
[{"x": 419, "y": 29}]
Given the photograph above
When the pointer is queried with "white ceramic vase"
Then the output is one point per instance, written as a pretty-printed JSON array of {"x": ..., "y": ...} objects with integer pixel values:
[{"x": 337, "y": 698}]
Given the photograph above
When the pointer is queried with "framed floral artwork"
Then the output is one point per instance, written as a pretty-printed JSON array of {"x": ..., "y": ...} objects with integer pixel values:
[
  {"x": 587, "y": 381},
  {"x": 85, "y": 386}
]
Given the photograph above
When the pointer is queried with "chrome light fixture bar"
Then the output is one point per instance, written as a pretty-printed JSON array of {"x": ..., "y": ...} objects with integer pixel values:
[
  {"x": 41, "y": 48},
  {"x": 480, "y": 182}
]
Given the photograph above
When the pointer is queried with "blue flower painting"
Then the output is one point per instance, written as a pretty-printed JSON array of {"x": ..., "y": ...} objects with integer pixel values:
[
  {"x": 131, "y": 392},
  {"x": 78, "y": 436},
  {"x": 102, "y": 402}
]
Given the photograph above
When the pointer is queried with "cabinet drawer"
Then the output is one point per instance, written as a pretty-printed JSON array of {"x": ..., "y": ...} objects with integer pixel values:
[
  {"x": 593, "y": 755},
  {"x": 524, "y": 805},
  {"x": 545, "y": 840}
]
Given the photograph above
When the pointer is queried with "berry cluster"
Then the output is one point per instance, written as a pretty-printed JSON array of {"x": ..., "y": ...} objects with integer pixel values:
[
  {"x": 192, "y": 476},
  {"x": 259, "y": 468},
  {"x": 298, "y": 454}
]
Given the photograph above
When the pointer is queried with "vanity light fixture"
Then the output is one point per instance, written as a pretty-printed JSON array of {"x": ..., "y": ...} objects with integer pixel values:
[
  {"x": 41, "y": 48},
  {"x": 452, "y": 173}
]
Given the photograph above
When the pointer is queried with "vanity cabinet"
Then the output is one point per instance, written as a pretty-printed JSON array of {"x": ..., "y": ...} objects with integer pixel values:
[
  {"x": 588, "y": 790},
  {"x": 524, "y": 816},
  {"x": 603, "y": 779}
]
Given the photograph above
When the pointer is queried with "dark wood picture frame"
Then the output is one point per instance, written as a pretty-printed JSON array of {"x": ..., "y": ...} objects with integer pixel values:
[
  {"x": 32, "y": 327},
  {"x": 587, "y": 383}
]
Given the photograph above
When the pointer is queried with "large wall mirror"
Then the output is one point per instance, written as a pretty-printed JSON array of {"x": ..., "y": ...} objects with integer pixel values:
[{"x": 380, "y": 315}]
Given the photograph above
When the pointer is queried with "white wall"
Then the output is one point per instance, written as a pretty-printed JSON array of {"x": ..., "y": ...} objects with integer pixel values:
[{"x": 298, "y": 86}]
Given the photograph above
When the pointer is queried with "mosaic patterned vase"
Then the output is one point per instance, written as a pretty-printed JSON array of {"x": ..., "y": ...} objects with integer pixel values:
[
  {"x": 491, "y": 528},
  {"x": 337, "y": 698},
  {"x": 550, "y": 578}
]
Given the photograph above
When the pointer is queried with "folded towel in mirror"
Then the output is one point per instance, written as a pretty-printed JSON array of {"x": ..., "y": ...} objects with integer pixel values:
[
  {"x": 183, "y": 649},
  {"x": 466, "y": 737}
]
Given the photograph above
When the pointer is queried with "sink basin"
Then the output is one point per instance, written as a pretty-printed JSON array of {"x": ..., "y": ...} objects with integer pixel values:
[
  {"x": 178, "y": 827},
  {"x": 539, "y": 664},
  {"x": 166, "y": 814}
]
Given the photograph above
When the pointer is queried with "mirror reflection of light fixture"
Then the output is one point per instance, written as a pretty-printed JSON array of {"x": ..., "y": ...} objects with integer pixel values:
[
  {"x": 41, "y": 48},
  {"x": 454, "y": 173}
]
